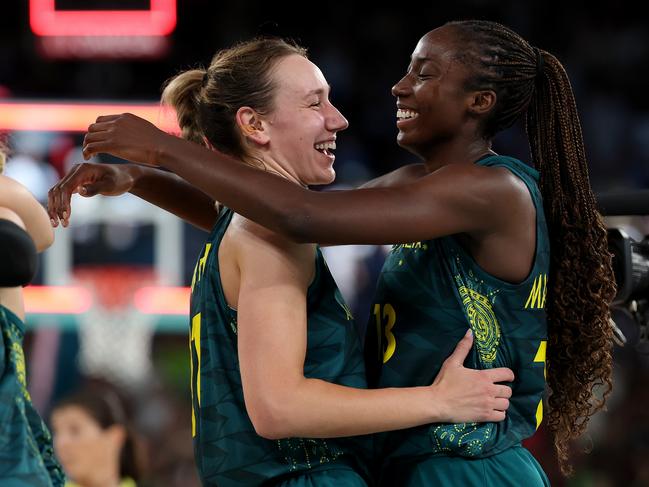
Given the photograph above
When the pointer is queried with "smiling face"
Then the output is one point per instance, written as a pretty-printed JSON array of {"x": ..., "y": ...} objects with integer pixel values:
[
  {"x": 301, "y": 130},
  {"x": 432, "y": 104}
]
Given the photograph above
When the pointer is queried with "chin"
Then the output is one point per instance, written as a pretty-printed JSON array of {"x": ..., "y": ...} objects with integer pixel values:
[
  {"x": 332, "y": 176},
  {"x": 400, "y": 140},
  {"x": 324, "y": 178},
  {"x": 410, "y": 147},
  {"x": 74, "y": 474}
]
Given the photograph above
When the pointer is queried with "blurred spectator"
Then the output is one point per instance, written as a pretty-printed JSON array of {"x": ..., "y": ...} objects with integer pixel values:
[{"x": 94, "y": 441}]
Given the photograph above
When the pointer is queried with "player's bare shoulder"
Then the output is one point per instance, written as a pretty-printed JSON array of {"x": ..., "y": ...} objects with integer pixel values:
[
  {"x": 496, "y": 184},
  {"x": 242, "y": 228},
  {"x": 251, "y": 238},
  {"x": 507, "y": 194}
]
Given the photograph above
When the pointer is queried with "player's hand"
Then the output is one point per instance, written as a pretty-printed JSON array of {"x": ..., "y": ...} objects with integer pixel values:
[
  {"x": 127, "y": 136},
  {"x": 463, "y": 395},
  {"x": 87, "y": 180}
]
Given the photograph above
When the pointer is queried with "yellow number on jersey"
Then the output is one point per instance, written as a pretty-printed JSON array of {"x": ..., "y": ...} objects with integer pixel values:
[
  {"x": 540, "y": 357},
  {"x": 381, "y": 330},
  {"x": 195, "y": 338}
]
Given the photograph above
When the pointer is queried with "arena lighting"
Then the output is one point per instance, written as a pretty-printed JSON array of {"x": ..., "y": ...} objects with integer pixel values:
[
  {"x": 159, "y": 20},
  {"x": 75, "y": 300},
  {"x": 104, "y": 47},
  {"x": 162, "y": 300},
  {"x": 75, "y": 117},
  {"x": 57, "y": 300}
]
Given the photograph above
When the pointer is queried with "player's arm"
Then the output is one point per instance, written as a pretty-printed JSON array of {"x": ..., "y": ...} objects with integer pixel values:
[
  {"x": 402, "y": 175},
  {"x": 272, "y": 340},
  {"x": 160, "y": 188},
  {"x": 458, "y": 198},
  {"x": 15, "y": 197},
  {"x": 170, "y": 192}
]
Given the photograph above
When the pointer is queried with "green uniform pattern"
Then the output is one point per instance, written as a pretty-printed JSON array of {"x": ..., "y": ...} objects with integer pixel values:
[
  {"x": 26, "y": 452},
  {"x": 228, "y": 451},
  {"x": 427, "y": 296}
]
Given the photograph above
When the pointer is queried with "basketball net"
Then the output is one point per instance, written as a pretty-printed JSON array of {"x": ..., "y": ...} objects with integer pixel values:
[{"x": 115, "y": 338}]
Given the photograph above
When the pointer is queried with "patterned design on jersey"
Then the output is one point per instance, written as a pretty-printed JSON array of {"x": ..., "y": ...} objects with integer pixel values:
[
  {"x": 486, "y": 330},
  {"x": 307, "y": 451},
  {"x": 26, "y": 451},
  {"x": 348, "y": 312},
  {"x": 16, "y": 355},
  {"x": 467, "y": 439}
]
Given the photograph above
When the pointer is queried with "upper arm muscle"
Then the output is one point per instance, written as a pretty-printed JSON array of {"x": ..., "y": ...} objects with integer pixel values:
[{"x": 275, "y": 275}]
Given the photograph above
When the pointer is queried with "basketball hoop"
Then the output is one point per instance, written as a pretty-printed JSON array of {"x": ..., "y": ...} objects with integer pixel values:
[{"x": 115, "y": 338}]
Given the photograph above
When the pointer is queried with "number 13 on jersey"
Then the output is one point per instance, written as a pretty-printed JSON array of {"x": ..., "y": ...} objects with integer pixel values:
[{"x": 385, "y": 317}]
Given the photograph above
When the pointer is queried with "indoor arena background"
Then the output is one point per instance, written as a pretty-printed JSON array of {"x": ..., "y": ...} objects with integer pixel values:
[{"x": 108, "y": 305}]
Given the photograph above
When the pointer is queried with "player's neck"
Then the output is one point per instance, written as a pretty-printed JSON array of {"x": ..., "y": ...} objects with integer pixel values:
[{"x": 456, "y": 152}]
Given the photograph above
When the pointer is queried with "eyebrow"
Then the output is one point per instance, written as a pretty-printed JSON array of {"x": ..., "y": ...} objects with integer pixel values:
[
  {"x": 318, "y": 91},
  {"x": 421, "y": 60}
]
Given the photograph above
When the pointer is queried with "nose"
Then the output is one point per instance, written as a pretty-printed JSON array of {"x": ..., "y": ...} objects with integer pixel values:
[
  {"x": 335, "y": 121},
  {"x": 402, "y": 88}
]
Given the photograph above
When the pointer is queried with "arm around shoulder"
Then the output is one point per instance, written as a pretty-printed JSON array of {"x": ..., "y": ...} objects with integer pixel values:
[{"x": 458, "y": 198}]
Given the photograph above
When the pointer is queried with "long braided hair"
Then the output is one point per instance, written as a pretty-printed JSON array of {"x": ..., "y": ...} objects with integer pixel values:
[{"x": 532, "y": 83}]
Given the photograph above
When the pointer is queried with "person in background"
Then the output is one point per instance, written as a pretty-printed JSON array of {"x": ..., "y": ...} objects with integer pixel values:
[
  {"x": 26, "y": 454},
  {"x": 94, "y": 441}
]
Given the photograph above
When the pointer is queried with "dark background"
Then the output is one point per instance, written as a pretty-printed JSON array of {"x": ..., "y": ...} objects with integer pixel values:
[{"x": 363, "y": 51}]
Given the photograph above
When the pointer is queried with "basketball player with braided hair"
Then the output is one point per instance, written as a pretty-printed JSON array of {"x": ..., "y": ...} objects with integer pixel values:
[
  {"x": 534, "y": 85},
  {"x": 517, "y": 253}
]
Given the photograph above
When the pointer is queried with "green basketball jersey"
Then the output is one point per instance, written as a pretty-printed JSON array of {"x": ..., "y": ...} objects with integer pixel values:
[
  {"x": 427, "y": 296},
  {"x": 228, "y": 450},
  {"x": 26, "y": 453}
]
